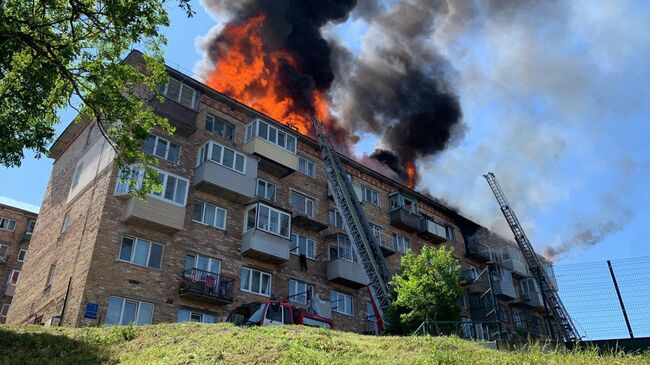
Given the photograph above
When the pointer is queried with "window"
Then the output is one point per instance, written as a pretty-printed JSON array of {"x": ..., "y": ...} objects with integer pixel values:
[
  {"x": 122, "y": 311},
  {"x": 401, "y": 243},
  {"x": 66, "y": 221},
  {"x": 472, "y": 272},
  {"x": 174, "y": 188},
  {"x": 401, "y": 201},
  {"x": 268, "y": 219},
  {"x": 219, "y": 127},
  {"x": 141, "y": 252},
  {"x": 302, "y": 203},
  {"x": 223, "y": 156},
  {"x": 306, "y": 166},
  {"x": 335, "y": 219},
  {"x": 451, "y": 234},
  {"x": 31, "y": 223},
  {"x": 255, "y": 281},
  {"x": 22, "y": 255},
  {"x": 7, "y": 224},
  {"x": 181, "y": 93},
  {"x": 209, "y": 214},
  {"x": 201, "y": 262},
  {"x": 341, "y": 303},
  {"x": 529, "y": 286},
  {"x": 269, "y": 133},
  {"x": 4, "y": 310},
  {"x": 301, "y": 245},
  {"x": 342, "y": 248},
  {"x": 3, "y": 252},
  {"x": 369, "y": 195},
  {"x": 186, "y": 315},
  {"x": 376, "y": 231},
  {"x": 298, "y": 291},
  {"x": 162, "y": 148},
  {"x": 13, "y": 278},
  {"x": 518, "y": 319},
  {"x": 504, "y": 314},
  {"x": 265, "y": 189},
  {"x": 50, "y": 275},
  {"x": 77, "y": 174}
]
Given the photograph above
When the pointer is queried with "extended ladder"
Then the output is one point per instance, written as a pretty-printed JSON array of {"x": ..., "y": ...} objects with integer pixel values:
[
  {"x": 551, "y": 297},
  {"x": 357, "y": 227}
]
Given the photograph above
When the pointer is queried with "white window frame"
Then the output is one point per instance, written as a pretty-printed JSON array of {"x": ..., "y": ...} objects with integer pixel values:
[
  {"x": 205, "y": 153},
  {"x": 167, "y": 148},
  {"x": 136, "y": 241},
  {"x": 307, "y": 201},
  {"x": 296, "y": 245},
  {"x": 66, "y": 222},
  {"x": 216, "y": 210},
  {"x": 22, "y": 250},
  {"x": 337, "y": 244},
  {"x": 161, "y": 196},
  {"x": 250, "y": 281},
  {"x": 253, "y": 128},
  {"x": 336, "y": 303},
  {"x": 373, "y": 195},
  {"x": 6, "y": 222},
  {"x": 294, "y": 285},
  {"x": 5, "y": 310},
  {"x": 309, "y": 164},
  {"x": 182, "y": 85},
  {"x": 137, "y": 310},
  {"x": 50, "y": 275},
  {"x": 257, "y": 222},
  {"x": 211, "y": 261},
  {"x": 266, "y": 189},
  {"x": 30, "y": 222},
  {"x": 9, "y": 279},
  {"x": 402, "y": 244},
  {"x": 377, "y": 232},
  {"x": 192, "y": 312},
  {"x": 4, "y": 255},
  {"x": 216, "y": 120},
  {"x": 333, "y": 212}
]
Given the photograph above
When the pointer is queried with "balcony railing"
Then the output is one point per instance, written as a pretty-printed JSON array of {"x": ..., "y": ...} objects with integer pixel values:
[
  {"x": 207, "y": 285},
  {"x": 432, "y": 231},
  {"x": 477, "y": 250},
  {"x": 403, "y": 219}
]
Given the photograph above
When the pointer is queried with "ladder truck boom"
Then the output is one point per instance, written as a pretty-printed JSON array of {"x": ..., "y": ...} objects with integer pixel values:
[
  {"x": 357, "y": 227},
  {"x": 551, "y": 298}
]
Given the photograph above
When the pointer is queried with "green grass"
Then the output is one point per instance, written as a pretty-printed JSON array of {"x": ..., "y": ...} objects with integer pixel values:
[{"x": 226, "y": 344}]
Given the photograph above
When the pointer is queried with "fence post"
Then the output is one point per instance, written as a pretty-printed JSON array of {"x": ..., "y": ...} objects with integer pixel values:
[{"x": 620, "y": 299}]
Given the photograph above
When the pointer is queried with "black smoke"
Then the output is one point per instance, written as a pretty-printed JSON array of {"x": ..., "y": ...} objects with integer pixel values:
[{"x": 391, "y": 161}]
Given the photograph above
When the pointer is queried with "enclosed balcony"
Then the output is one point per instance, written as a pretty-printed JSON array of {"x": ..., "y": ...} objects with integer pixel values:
[
  {"x": 206, "y": 286},
  {"x": 268, "y": 233},
  {"x": 225, "y": 172},
  {"x": 183, "y": 118},
  {"x": 274, "y": 144},
  {"x": 154, "y": 213},
  {"x": 550, "y": 274},
  {"x": 404, "y": 212},
  {"x": 432, "y": 230},
  {"x": 503, "y": 285},
  {"x": 512, "y": 259},
  {"x": 479, "y": 251},
  {"x": 531, "y": 296},
  {"x": 346, "y": 272}
]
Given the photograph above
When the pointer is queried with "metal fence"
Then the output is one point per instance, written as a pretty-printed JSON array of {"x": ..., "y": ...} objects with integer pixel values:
[{"x": 608, "y": 299}]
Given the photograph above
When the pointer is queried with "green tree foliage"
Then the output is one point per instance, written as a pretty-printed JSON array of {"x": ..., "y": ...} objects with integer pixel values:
[
  {"x": 55, "y": 53},
  {"x": 428, "y": 287}
]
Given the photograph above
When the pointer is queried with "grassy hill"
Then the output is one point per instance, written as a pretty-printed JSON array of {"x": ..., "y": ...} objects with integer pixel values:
[{"x": 223, "y": 343}]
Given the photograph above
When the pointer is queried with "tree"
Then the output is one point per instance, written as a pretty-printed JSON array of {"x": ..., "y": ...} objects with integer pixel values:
[
  {"x": 429, "y": 286},
  {"x": 54, "y": 52}
]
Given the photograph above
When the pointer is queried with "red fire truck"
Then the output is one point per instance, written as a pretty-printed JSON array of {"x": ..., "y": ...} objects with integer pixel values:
[{"x": 276, "y": 313}]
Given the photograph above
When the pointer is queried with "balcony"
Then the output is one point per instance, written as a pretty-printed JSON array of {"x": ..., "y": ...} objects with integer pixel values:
[
  {"x": 265, "y": 246},
  {"x": 307, "y": 222},
  {"x": 207, "y": 286},
  {"x": 405, "y": 220},
  {"x": 154, "y": 213},
  {"x": 532, "y": 300},
  {"x": 219, "y": 180},
  {"x": 504, "y": 289},
  {"x": 513, "y": 260},
  {"x": 386, "y": 249},
  {"x": 274, "y": 145},
  {"x": 432, "y": 231},
  {"x": 478, "y": 251},
  {"x": 181, "y": 117},
  {"x": 346, "y": 272}
]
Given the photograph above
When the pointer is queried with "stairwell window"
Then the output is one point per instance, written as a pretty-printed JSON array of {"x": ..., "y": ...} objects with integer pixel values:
[
  {"x": 301, "y": 245},
  {"x": 186, "y": 315},
  {"x": 268, "y": 219},
  {"x": 266, "y": 189},
  {"x": 123, "y": 311},
  {"x": 181, "y": 93},
  {"x": 13, "y": 277},
  {"x": 376, "y": 232},
  {"x": 210, "y": 215},
  {"x": 3, "y": 252},
  {"x": 306, "y": 166},
  {"x": 162, "y": 148},
  {"x": 255, "y": 281},
  {"x": 7, "y": 224},
  {"x": 341, "y": 248},
  {"x": 66, "y": 222},
  {"x": 77, "y": 174},
  {"x": 219, "y": 127},
  {"x": 141, "y": 252},
  {"x": 22, "y": 255},
  {"x": 401, "y": 243},
  {"x": 271, "y": 134},
  {"x": 5, "y": 310},
  {"x": 50, "y": 275},
  {"x": 31, "y": 224},
  {"x": 341, "y": 303},
  {"x": 302, "y": 203},
  {"x": 298, "y": 291},
  {"x": 369, "y": 195},
  {"x": 223, "y": 156},
  {"x": 334, "y": 218}
]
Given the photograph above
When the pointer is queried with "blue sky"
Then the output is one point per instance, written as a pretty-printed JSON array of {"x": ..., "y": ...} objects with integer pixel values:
[{"x": 556, "y": 108}]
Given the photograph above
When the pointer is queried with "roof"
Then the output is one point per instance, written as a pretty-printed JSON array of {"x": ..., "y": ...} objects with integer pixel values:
[{"x": 27, "y": 207}]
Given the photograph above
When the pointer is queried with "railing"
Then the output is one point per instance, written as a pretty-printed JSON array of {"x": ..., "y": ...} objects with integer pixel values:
[
  {"x": 478, "y": 250},
  {"x": 207, "y": 284},
  {"x": 471, "y": 330}
]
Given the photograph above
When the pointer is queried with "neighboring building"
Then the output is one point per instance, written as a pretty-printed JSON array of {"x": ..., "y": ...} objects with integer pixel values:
[
  {"x": 17, "y": 221},
  {"x": 244, "y": 196}
]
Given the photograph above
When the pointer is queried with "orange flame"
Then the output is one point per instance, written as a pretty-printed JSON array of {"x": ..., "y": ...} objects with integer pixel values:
[
  {"x": 411, "y": 174},
  {"x": 248, "y": 73}
]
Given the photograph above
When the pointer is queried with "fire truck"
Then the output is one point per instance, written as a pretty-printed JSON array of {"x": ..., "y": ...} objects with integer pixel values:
[{"x": 276, "y": 313}]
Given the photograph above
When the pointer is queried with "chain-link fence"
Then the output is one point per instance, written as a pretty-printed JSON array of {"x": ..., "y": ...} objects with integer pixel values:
[{"x": 609, "y": 299}]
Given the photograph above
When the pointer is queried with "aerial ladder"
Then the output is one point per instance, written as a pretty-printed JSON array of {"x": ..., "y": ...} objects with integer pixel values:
[
  {"x": 551, "y": 298},
  {"x": 357, "y": 227}
]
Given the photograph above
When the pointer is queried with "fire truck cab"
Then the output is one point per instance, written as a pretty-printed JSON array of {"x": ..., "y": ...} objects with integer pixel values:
[{"x": 276, "y": 313}]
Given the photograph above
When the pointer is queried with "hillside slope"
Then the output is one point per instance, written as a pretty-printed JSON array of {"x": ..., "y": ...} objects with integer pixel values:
[{"x": 223, "y": 343}]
